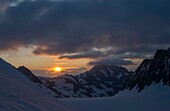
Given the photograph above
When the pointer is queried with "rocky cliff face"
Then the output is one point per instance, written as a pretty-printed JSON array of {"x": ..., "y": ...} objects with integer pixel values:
[{"x": 150, "y": 71}]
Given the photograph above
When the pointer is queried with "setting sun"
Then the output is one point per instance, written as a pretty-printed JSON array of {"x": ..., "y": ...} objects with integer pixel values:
[{"x": 58, "y": 69}]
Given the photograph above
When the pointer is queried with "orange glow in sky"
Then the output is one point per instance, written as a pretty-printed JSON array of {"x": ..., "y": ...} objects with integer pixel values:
[
  {"x": 50, "y": 66},
  {"x": 44, "y": 65},
  {"x": 58, "y": 69}
]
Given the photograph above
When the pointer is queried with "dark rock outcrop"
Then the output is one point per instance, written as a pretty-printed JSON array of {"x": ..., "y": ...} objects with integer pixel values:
[{"x": 150, "y": 71}]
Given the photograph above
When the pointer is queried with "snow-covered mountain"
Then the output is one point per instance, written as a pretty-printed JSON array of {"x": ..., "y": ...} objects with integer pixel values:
[
  {"x": 17, "y": 93},
  {"x": 156, "y": 70},
  {"x": 100, "y": 81}
]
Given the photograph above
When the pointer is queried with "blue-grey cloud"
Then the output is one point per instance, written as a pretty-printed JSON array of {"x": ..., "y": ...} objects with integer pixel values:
[
  {"x": 76, "y": 26},
  {"x": 111, "y": 61},
  {"x": 4, "y": 4},
  {"x": 88, "y": 54}
]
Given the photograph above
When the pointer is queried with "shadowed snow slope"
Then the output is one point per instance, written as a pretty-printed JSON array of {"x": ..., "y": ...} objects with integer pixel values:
[
  {"x": 17, "y": 93},
  {"x": 153, "y": 98}
]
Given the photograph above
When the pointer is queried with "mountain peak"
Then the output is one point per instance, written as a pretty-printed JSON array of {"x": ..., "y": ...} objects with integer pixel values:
[
  {"x": 98, "y": 67},
  {"x": 105, "y": 67},
  {"x": 26, "y": 72},
  {"x": 152, "y": 71},
  {"x": 168, "y": 49},
  {"x": 162, "y": 53},
  {"x": 23, "y": 67}
]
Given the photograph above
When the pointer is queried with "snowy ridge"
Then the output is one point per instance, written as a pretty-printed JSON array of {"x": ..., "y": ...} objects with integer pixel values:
[
  {"x": 100, "y": 81},
  {"x": 17, "y": 93}
]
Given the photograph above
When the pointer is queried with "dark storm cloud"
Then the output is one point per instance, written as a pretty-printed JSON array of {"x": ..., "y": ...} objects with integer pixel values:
[{"x": 78, "y": 26}]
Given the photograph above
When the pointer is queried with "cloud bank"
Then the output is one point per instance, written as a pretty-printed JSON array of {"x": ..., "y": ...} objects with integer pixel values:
[{"x": 74, "y": 28}]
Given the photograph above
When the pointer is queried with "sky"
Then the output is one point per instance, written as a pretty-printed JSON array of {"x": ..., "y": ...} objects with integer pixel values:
[{"x": 78, "y": 34}]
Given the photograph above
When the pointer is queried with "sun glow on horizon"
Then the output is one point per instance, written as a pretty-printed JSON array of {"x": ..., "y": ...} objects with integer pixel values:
[{"x": 58, "y": 69}]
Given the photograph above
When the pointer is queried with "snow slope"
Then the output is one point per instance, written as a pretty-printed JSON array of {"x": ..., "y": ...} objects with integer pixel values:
[
  {"x": 153, "y": 98},
  {"x": 17, "y": 93}
]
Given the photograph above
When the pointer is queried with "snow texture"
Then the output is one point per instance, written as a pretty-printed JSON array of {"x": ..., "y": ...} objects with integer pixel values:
[
  {"x": 17, "y": 93},
  {"x": 153, "y": 98}
]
